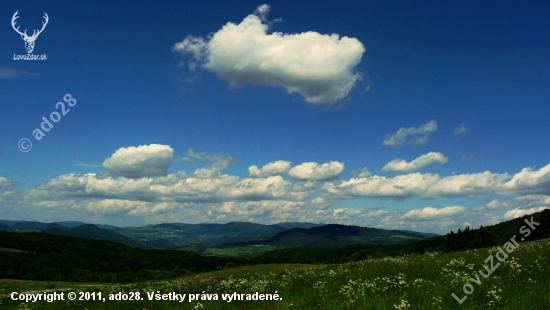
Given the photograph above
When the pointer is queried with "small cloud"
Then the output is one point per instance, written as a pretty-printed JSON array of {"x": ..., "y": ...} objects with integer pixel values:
[
  {"x": 400, "y": 165},
  {"x": 6, "y": 73},
  {"x": 495, "y": 204},
  {"x": 275, "y": 168},
  {"x": 87, "y": 165},
  {"x": 361, "y": 173},
  {"x": 219, "y": 163},
  {"x": 142, "y": 161},
  {"x": 262, "y": 11},
  {"x": 420, "y": 135},
  {"x": 462, "y": 128},
  {"x": 315, "y": 172}
]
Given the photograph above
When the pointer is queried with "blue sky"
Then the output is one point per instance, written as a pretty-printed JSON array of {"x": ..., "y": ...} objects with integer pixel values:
[{"x": 401, "y": 115}]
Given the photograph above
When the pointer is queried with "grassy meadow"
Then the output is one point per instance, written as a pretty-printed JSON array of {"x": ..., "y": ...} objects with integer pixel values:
[{"x": 427, "y": 281}]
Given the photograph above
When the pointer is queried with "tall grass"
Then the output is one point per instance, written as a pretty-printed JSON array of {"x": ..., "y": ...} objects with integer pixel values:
[{"x": 425, "y": 282}]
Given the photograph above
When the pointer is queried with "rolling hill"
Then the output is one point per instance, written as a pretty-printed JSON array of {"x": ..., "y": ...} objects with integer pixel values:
[
  {"x": 210, "y": 235},
  {"x": 335, "y": 235},
  {"x": 89, "y": 231}
]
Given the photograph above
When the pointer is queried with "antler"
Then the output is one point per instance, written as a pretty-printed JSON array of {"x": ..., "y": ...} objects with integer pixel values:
[
  {"x": 34, "y": 33},
  {"x": 43, "y": 26},
  {"x": 13, "y": 24}
]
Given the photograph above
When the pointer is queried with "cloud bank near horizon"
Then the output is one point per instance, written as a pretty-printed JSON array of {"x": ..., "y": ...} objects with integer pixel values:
[{"x": 137, "y": 188}]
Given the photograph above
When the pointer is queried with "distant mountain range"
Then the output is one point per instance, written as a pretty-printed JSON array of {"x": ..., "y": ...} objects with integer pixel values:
[
  {"x": 210, "y": 235},
  {"x": 42, "y": 226},
  {"x": 197, "y": 237}
]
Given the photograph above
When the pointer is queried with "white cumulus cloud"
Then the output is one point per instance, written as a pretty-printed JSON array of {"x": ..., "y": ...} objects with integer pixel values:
[
  {"x": 400, "y": 165},
  {"x": 496, "y": 204},
  {"x": 420, "y": 135},
  {"x": 271, "y": 169},
  {"x": 142, "y": 161},
  {"x": 314, "y": 171},
  {"x": 318, "y": 66},
  {"x": 517, "y": 212},
  {"x": 429, "y": 213},
  {"x": 529, "y": 181}
]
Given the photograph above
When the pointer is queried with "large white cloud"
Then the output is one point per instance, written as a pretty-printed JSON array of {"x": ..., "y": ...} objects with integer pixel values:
[
  {"x": 319, "y": 67},
  {"x": 400, "y": 165},
  {"x": 420, "y": 135},
  {"x": 316, "y": 172},
  {"x": 142, "y": 161},
  {"x": 275, "y": 168}
]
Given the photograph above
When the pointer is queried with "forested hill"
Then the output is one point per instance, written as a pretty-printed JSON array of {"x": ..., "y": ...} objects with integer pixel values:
[
  {"x": 40, "y": 256},
  {"x": 335, "y": 235},
  {"x": 463, "y": 239},
  {"x": 90, "y": 231},
  {"x": 159, "y": 236}
]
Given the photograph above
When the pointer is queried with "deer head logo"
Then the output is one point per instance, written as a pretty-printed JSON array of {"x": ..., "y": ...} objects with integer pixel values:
[{"x": 29, "y": 41}]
